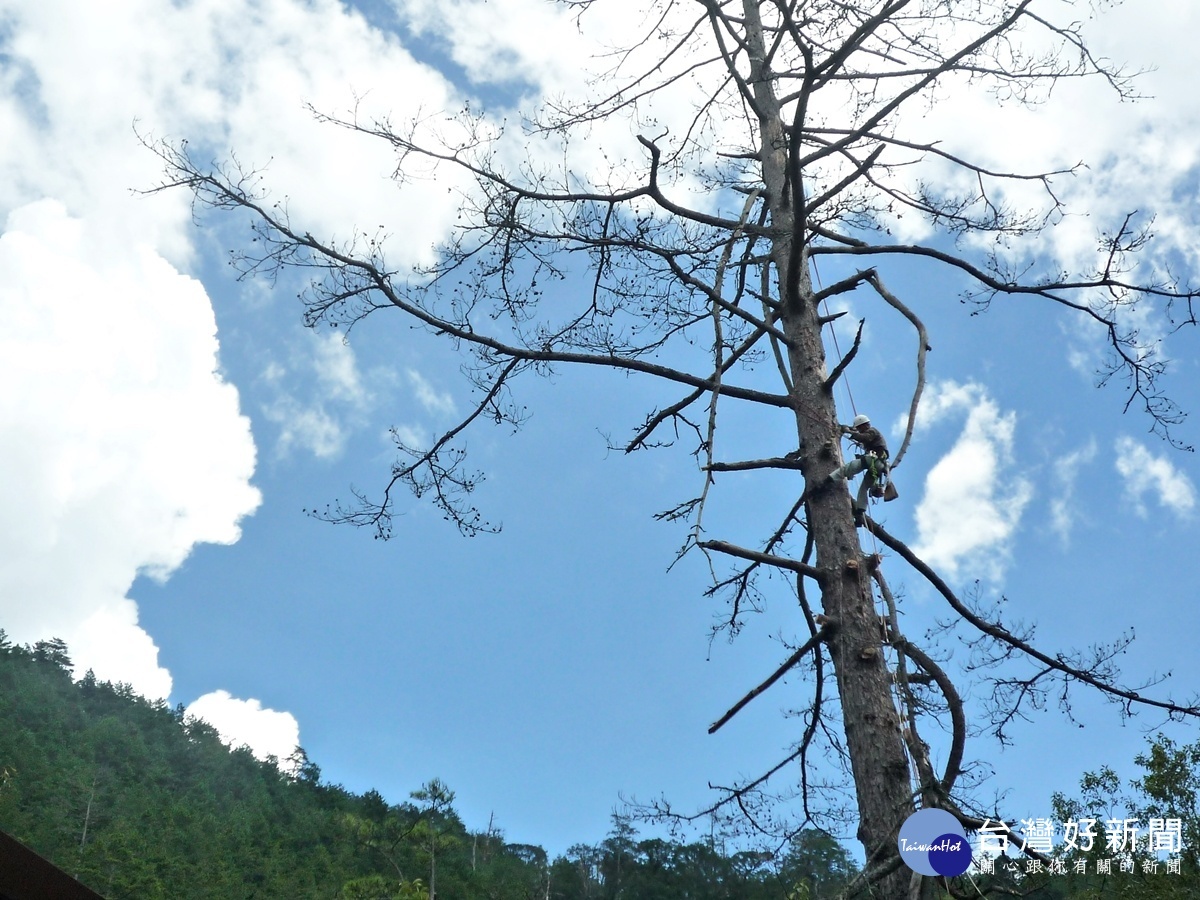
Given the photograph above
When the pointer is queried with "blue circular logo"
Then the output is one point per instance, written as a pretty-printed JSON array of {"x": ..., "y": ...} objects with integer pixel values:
[{"x": 932, "y": 842}]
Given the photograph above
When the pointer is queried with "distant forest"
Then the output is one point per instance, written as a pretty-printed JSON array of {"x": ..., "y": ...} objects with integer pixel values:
[
  {"x": 136, "y": 800},
  {"x": 139, "y": 801}
]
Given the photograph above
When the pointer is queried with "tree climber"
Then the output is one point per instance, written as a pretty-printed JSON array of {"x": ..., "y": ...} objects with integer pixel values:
[{"x": 872, "y": 461}]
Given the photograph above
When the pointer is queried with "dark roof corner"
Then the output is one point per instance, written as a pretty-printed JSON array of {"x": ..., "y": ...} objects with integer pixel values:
[{"x": 26, "y": 876}]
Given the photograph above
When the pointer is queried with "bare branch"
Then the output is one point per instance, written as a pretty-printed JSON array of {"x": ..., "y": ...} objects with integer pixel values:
[
  {"x": 847, "y": 359},
  {"x": 767, "y": 559},
  {"x": 826, "y": 630},
  {"x": 1127, "y": 697},
  {"x": 774, "y": 462},
  {"x": 922, "y": 348}
]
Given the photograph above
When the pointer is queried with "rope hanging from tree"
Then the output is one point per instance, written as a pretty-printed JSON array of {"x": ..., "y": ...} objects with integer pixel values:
[{"x": 886, "y": 612}]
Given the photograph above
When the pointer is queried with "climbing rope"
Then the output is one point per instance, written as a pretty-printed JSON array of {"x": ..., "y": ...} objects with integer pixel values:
[
  {"x": 882, "y": 612},
  {"x": 836, "y": 346},
  {"x": 881, "y": 607},
  {"x": 844, "y": 381}
]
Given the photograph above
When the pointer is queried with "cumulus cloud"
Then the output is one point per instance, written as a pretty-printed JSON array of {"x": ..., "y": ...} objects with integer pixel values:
[
  {"x": 227, "y": 75},
  {"x": 116, "y": 649},
  {"x": 123, "y": 446},
  {"x": 973, "y": 499},
  {"x": 1133, "y": 160},
  {"x": 1146, "y": 474},
  {"x": 267, "y": 732}
]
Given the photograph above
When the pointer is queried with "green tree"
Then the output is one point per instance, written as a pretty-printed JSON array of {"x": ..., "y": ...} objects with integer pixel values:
[
  {"x": 1162, "y": 801},
  {"x": 438, "y": 829},
  {"x": 618, "y": 855},
  {"x": 53, "y": 651},
  {"x": 577, "y": 875},
  {"x": 816, "y": 864},
  {"x": 376, "y": 887},
  {"x": 1169, "y": 790},
  {"x": 514, "y": 872}
]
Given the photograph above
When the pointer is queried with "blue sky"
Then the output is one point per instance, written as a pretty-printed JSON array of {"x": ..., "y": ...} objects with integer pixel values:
[{"x": 164, "y": 426}]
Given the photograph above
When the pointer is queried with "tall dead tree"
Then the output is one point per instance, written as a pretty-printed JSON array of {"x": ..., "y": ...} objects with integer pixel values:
[{"x": 799, "y": 150}]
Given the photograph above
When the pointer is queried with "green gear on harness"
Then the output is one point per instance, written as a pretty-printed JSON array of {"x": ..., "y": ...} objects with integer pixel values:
[
  {"x": 875, "y": 467},
  {"x": 880, "y": 473}
]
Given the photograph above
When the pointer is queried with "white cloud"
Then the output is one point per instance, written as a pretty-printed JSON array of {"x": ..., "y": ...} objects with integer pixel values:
[
  {"x": 1138, "y": 157},
  {"x": 1063, "y": 509},
  {"x": 337, "y": 369},
  {"x": 505, "y": 41},
  {"x": 973, "y": 500},
  {"x": 322, "y": 422},
  {"x": 1145, "y": 473},
  {"x": 267, "y": 732},
  {"x": 407, "y": 435},
  {"x": 1085, "y": 351},
  {"x": 123, "y": 447},
  {"x": 310, "y": 428},
  {"x": 226, "y": 74},
  {"x": 942, "y": 399},
  {"x": 111, "y": 644},
  {"x": 434, "y": 401}
]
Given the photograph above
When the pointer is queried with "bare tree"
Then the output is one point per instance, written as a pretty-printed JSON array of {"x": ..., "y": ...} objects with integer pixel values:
[{"x": 799, "y": 151}]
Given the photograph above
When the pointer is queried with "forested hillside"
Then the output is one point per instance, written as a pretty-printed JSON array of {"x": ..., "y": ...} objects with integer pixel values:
[{"x": 138, "y": 801}]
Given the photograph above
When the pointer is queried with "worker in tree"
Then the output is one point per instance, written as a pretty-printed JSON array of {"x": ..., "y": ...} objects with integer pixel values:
[{"x": 872, "y": 461}]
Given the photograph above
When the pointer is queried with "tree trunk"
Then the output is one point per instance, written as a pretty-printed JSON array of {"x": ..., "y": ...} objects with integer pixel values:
[{"x": 873, "y": 738}]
